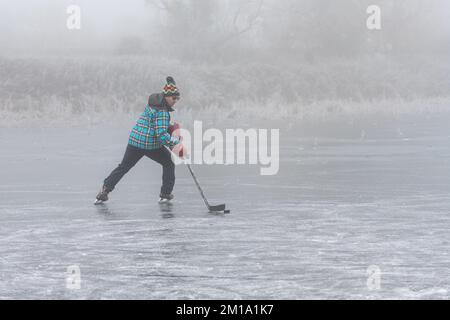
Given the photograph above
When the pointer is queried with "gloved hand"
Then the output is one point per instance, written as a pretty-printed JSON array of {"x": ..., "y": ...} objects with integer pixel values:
[
  {"x": 179, "y": 150},
  {"x": 174, "y": 129}
]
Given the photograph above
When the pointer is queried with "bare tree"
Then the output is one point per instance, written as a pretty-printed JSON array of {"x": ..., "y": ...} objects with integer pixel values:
[{"x": 202, "y": 28}]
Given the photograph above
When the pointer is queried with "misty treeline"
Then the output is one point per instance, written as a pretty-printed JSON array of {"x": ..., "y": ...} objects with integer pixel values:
[
  {"x": 262, "y": 58},
  {"x": 308, "y": 30}
]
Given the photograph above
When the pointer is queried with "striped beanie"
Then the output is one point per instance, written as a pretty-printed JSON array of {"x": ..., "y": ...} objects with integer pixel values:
[{"x": 170, "y": 89}]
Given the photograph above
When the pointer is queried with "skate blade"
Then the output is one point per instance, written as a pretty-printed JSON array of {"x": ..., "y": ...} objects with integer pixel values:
[
  {"x": 163, "y": 201},
  {"x": 96, "y": 202}
]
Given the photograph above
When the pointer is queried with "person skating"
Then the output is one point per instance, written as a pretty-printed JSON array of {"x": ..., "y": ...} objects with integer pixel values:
[{"x": 149, "y": 137}]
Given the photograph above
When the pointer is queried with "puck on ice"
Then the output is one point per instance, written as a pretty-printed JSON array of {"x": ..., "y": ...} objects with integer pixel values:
[{"x": 226, "y": 211}]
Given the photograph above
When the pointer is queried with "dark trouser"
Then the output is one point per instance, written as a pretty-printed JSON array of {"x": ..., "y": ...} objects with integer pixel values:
[{"x": 133, "y": 155}]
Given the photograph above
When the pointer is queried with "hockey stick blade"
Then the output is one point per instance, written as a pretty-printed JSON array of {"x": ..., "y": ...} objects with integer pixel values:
[{"x": 220, "y": 207}]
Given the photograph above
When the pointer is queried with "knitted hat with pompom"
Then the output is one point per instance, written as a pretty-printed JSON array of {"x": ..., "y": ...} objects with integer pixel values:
[{"x": 170, "y": 89}]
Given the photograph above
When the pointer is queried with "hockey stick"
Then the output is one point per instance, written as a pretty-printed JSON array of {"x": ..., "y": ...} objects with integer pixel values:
[{"x": 220, "y": 207}]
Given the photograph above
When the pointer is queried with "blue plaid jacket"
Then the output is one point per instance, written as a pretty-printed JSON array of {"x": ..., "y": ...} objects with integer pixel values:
[{"x": 150, "y": 131}]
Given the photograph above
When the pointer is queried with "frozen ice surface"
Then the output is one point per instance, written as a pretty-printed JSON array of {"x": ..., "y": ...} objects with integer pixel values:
[{"x": 337, "y": 206}]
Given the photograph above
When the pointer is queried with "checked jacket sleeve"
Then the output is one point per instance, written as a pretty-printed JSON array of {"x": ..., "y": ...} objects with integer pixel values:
[{"x": 162, "y": 119}]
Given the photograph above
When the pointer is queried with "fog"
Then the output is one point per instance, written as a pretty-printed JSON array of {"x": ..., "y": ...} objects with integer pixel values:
[
  {"x": 360, "y": 103},
  {"x": 226, "y": 29},
  {"x": 316, "y": 58},
  {"x": 40, "y": 27}
]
